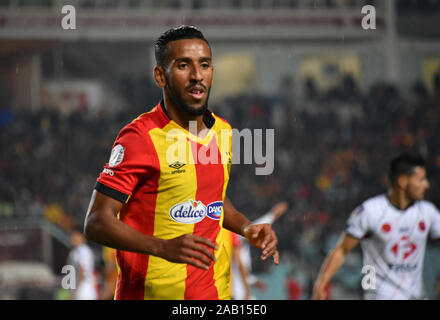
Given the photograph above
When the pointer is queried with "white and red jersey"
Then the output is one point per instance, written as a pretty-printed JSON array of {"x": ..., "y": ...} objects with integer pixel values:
[
  {"x": 393, "y": 241},
  {"x": 82, "y": 258}
]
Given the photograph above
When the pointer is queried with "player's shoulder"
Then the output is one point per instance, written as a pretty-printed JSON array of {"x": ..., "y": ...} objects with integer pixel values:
[
  {"x": 84, "y": 248},
  {"x": 368, "y": 212},
  {"x": 375, "y": 202},
  {"x": 221, "y": 122},
  {"x": 151, "y": 119},
  {"x": 428, "y": 206},
  {"x": 146, "y": 121},
  {"x": 371, "y": 207},
  {"x": 81, "y": 251}
]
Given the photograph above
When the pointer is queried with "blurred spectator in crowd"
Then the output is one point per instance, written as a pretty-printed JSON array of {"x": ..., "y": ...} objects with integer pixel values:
[
  {"x": 241, "y": 265},
  {"x": 82, "y": 259}
]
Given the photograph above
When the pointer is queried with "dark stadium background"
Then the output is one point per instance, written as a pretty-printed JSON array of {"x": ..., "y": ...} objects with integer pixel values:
[{"x": 342, "y": 100}]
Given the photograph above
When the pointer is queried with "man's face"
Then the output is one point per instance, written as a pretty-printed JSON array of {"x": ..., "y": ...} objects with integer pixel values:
[
  {"x": 417, "y": 184},
  {"x": 76, "y": 239},
  {"x": 189, "y": 74}
]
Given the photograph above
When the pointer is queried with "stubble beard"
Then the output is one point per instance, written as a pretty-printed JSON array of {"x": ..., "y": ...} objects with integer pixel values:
[
  {"x": 180, "y": 104},
  {"x": 413, "y": 196}
]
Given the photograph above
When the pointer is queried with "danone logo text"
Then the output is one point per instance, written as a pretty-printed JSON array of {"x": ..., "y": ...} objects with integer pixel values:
[{"x": 195, "y": 211}]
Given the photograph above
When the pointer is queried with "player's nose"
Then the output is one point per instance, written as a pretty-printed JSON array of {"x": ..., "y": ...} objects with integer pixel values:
[{"x": 196, "y": 74}]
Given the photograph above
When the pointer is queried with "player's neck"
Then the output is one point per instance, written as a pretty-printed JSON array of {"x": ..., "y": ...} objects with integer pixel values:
[
  {"x": 398, "y": 199},
  {"x": 181, "y": 118}
]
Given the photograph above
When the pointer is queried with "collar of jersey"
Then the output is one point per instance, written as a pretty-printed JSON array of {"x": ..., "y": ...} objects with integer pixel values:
[
  {"x": 398, "y": 209},
  {"x": 204, "y": 141}
]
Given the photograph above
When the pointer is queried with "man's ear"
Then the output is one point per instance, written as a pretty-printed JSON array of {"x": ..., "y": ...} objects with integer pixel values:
[
  {"x": 159, "y": 76},
  {"x": 402, "y": 181}
]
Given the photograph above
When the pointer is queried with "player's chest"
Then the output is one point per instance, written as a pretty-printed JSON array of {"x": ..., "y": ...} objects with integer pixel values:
[
  {"x": 410, "y": 225},
  {"x": 402, "y": 235},
  {"x": 181, "y": 160}
]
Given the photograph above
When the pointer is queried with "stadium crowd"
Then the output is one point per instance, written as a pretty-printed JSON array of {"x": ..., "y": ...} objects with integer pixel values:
[{"x": 331, "y": 153}]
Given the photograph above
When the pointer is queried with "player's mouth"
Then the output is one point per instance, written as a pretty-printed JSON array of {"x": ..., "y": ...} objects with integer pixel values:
[{"x": 196, "y": 92}]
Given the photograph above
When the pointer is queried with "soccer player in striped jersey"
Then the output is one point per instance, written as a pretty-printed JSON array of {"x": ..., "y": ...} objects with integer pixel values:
[
  {"x": 172, "y": 208},
  {"x": 392, "y": 229}
]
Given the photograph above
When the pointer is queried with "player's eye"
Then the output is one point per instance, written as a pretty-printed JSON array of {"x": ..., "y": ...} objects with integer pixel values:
[
  {"x": 182, "y": 65},
  {"x": 205, "y": 65}
]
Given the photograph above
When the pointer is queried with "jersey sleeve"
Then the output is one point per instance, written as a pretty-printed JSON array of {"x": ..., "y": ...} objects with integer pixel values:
[
  {"x": 435, "y": 223},
  {"x": 130, "y": 160},
  {"x": 357, "y": 223}
]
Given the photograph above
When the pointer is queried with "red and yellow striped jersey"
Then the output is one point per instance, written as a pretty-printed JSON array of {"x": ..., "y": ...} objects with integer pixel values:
[
  {"x": 231, "y": 242},
  {"x": 170, "y": 185}
]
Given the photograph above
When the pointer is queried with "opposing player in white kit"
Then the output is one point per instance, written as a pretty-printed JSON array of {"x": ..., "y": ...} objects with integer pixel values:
[
  {"x": 241, "y": 264},
  {"x": 81, "y": 258},
  {"x": 393, "y": 229}
]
